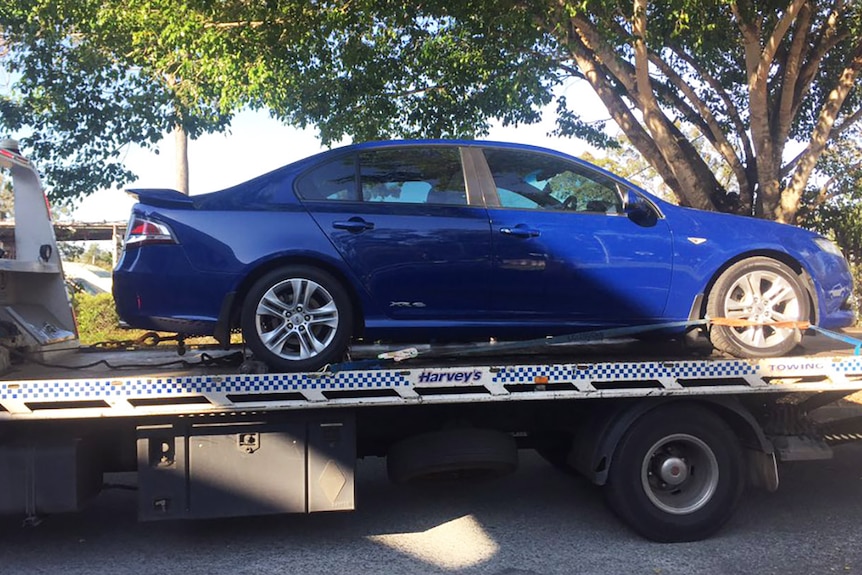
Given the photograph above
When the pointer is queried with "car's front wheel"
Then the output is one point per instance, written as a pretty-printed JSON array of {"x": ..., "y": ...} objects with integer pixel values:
[
  {"x": 297, "y": 318},
  {"x": 762, "y": 292}
]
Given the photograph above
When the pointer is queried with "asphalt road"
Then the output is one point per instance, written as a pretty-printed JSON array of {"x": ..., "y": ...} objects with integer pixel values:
[{"x": 537, "y": 521}]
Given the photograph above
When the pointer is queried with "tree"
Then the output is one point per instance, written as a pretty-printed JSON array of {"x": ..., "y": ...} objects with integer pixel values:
[
  {"x": 70, "y": 251},
  {"x": 625, "y": 160},
  {"x": 834, "y": 208},
  {"x": 92, "y": 76},
  {"x": 84, "y": 93},
  {"x": 746, "y": 76},
  {"x": 96, "y": 256}
]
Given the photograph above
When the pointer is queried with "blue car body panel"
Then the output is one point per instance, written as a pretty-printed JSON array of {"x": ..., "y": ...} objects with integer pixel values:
[
  {"x": 584, "y": 269},
  {"x": 451, "y": 272},
  {"x": 730, "y": 238},
  {"x": 418, "y": 261}
]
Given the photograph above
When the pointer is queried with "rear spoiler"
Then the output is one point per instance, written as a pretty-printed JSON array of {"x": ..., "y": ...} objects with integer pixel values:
[{"x": 162, "y": 198}]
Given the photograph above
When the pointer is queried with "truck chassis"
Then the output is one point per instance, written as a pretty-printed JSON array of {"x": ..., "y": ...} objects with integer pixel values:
[{"x": 673, "y": 442}]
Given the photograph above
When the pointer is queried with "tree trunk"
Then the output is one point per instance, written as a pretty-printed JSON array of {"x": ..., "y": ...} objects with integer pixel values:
[
  {"x": 181, "y": 138},
  {"x": 686, "y": 174}
]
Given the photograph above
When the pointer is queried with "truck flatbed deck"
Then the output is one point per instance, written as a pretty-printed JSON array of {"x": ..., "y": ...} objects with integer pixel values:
[{"x": 138, "y": 383}]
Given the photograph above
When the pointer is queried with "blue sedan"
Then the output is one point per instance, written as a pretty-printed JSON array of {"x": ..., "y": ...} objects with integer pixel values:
[{"x": 461, "y": 240}]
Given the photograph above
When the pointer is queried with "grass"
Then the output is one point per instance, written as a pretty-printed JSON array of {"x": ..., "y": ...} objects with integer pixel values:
[{"x": 99, "y": 325}]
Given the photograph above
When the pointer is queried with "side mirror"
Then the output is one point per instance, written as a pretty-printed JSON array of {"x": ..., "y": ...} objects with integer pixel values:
[{"x": 640, "y": 211}]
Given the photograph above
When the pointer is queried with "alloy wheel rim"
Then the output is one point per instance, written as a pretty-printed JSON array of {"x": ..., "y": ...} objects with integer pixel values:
[
  {"x": 296, "y": 319},
  {"x": 762, "y": 297}
]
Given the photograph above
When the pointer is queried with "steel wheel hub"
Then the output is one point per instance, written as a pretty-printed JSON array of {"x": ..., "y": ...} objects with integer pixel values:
[
  {"x": 673, "y": 470},
  {"x": 680, "y": 474}
]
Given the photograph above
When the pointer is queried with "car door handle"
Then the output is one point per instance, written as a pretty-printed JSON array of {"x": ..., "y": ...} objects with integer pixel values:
[
  {"x": 355, "y": 225},
  {"x": 520, "y": 231}
]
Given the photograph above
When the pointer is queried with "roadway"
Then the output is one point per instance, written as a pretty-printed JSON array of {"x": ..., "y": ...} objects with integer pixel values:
[{"x": 537, "y": 521}]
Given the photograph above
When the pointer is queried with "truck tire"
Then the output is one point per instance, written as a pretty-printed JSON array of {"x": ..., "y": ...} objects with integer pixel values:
[
  {"x": 452, "y": 453},
  {"x": 677, "y": 474}
]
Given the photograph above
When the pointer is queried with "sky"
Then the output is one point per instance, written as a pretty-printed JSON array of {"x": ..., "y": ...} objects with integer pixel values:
[{"x": 257, "y": 144}]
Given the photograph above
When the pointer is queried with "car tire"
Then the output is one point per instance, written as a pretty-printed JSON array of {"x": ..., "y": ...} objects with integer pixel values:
[
  {"x": 676, "y": 475},
  {"x": 297, "y": 318},
  {"x": 761, "y": 290}
]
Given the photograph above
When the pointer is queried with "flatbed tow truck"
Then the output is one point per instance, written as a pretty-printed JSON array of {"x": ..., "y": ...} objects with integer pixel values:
[{"x": 673, "y": 439}]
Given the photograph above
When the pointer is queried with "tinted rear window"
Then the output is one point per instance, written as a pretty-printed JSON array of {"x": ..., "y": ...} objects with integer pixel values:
[{"x": 332, "y": 180}]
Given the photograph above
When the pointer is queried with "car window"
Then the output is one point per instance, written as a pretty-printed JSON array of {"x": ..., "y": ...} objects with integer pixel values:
[
  {"x": 332, "y": 180},
  {"x": 531, "y": 180},
  {"x": 413, "y": 175},
  {"x": 510, "y": 199}
]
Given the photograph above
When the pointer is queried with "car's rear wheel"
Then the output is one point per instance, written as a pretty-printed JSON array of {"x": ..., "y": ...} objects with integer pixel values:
[
  {"x": 297, "y": 318},
  {"x": 761, "y": 291}
]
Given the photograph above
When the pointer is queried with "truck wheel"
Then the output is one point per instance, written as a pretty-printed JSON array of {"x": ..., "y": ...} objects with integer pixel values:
[
  {"x": 760, "y": 290},
  {"x": 677, "y": 474},
  {"x": 297, "y": 318},
  {"x": 452, "y": 453}
]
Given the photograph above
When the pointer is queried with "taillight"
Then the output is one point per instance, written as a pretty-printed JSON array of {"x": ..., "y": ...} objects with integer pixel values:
[{"x": 143, "y": 231}]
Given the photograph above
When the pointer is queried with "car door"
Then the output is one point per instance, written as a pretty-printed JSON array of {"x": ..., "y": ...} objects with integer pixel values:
[
  {"x": 401, "y": 219},
  {"x": 564, "y": 249}
]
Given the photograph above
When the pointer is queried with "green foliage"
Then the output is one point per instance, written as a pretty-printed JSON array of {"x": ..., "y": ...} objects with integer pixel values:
[
  {"x": 856, "y": 271},
  {"x": 439, "y": 69},
  {"x": 92, "y": 254},
  {"x": 835, "y": 208},
  {"x": 97, "y": 256},
  {"x": 82, "y": 93},
  {"x": 7, "y": 200},
  {"x": 98, "y": 323},
  {"x": 570, "y": 124},
  {"x": 97, "y": 318},
  {"x": 70, "y": 251},
  {"x": 91, "y": 76}
]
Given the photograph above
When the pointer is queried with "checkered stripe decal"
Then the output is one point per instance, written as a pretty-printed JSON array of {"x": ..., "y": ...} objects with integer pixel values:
[
  {"x": 529, "y": 373},
  {"x": 699, "y": 370},
  {"x": 72, "y": 390},
  {"x": 658, "y": 371},
  {"x": 853, "y": 366},
  {"x": 627, "y": 371}
]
